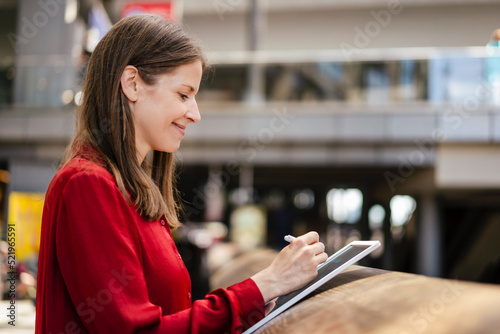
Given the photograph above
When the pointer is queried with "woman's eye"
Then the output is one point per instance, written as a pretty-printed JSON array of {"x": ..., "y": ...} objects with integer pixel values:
[{"x": 183, "y": 97}]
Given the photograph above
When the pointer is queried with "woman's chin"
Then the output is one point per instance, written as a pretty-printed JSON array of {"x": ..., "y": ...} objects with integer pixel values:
[{"x": 169, "y": 149}]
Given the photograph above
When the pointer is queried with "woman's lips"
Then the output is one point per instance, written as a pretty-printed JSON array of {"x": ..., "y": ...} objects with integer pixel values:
[{"x": 181, "y": 128}]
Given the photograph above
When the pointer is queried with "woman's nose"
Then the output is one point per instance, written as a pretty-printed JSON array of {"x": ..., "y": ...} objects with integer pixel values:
[{"x": 193, "y": 113}]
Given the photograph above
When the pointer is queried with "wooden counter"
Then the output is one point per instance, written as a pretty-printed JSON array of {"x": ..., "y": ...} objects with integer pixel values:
[{"x": 366, "y": 300}]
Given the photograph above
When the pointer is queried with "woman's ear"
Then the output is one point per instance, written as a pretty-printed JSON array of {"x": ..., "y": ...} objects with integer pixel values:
[{"x": 129, "y": 81}]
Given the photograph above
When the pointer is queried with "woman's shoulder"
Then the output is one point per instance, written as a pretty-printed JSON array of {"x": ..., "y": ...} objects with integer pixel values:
[
  {"x": 83, "y": 166},
  {"x": 83, "y": 171}
]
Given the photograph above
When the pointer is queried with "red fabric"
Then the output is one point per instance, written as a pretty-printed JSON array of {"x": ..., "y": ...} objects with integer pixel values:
[{"x": 105, "y": 269}]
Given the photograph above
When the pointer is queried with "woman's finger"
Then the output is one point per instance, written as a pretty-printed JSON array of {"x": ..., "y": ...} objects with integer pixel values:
[
  {"x": 320, "y": 258},
  {"x": 311, "y": 237},
  {"x": 318, "y": 248}
]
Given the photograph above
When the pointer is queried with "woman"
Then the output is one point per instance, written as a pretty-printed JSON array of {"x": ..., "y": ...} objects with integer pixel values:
[{"x": 107, "y": 262}]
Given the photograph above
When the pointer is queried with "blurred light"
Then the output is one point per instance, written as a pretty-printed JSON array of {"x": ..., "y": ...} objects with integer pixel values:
[
  {"x": 248, "y": 227},
  {"x": 378, "y": 235},
  {"x": 241, "y": 196},
  {"x": 217, "y": 230},
  {"x": 376, "y": 216},
  {"x": 344, "y": 205},
  {"x": 304, "y": 199},
  {"x": 79, "y": 98},
  {"x": 41, "y": 84},
  {"x": 92, "y": 39},
  {"x": 402, "y": 208},
  {"x": 219, "y": 254},
  {"x": 67, "y": 96},
  {"x": 162, "y": 9},
  {"x": 98, "y": 23},
  {"x": 71, "y": 11},
  {"x": 11, "y": 72},
  {"x": 201, "y": 238}
]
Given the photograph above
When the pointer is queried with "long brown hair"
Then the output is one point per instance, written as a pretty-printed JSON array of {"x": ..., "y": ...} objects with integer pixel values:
[{"x": 154, "y": 46}]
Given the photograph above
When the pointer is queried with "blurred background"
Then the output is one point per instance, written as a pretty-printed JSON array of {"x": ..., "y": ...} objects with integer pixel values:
[{"x": 360, "y": 119}]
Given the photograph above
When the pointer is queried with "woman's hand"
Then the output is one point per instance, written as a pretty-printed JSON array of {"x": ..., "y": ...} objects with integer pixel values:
[{"x": 295, "y": 266}]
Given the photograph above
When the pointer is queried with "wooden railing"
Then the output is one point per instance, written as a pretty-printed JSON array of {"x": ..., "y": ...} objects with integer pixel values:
[{"x": 367, "y": 300}]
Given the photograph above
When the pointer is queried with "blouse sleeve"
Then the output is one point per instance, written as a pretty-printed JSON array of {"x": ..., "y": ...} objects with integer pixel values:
[{"x": 99, "y": 253}]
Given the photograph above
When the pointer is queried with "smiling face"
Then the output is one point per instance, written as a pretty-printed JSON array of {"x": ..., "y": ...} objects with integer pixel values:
[{"x": 162, "y": 111}]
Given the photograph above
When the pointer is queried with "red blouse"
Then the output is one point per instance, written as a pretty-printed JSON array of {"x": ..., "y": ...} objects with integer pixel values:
[{"x": 105, "y": 269}]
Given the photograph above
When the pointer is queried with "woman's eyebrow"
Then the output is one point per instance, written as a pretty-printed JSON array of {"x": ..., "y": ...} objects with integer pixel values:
[{"x": 191, "y": 88}]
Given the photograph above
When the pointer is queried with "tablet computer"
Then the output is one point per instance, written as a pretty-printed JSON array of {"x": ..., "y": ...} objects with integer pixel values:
[{"x": 335, "y": 264}]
